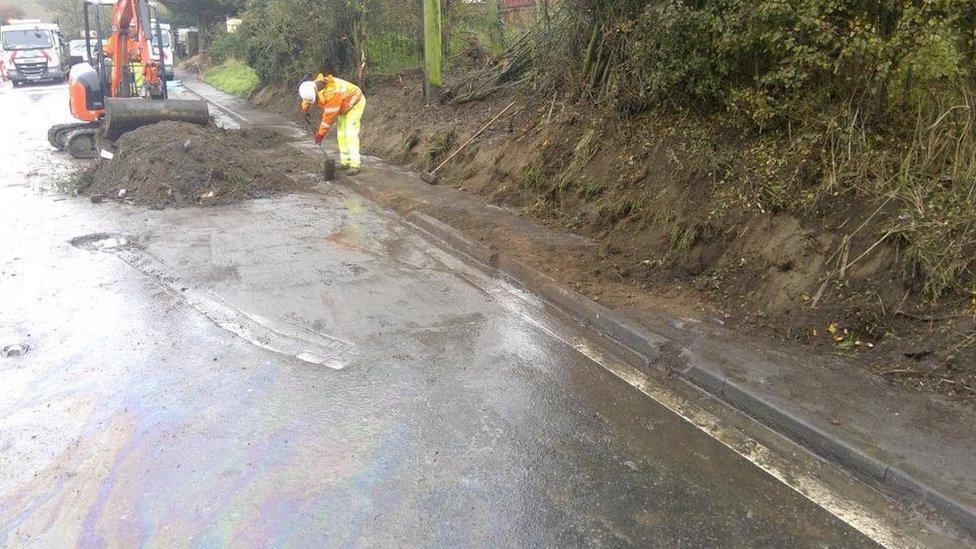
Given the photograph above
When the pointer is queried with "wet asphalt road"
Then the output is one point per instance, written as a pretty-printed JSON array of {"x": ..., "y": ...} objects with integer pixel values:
[{"x": 307, "y": 370}]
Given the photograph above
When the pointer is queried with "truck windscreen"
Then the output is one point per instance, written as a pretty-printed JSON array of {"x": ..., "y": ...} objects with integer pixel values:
[
  {"x": 27, "y": 39},
  {"x": 165, "y": 36}
]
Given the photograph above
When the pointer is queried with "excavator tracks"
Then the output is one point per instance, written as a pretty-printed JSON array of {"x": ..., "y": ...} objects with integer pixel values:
[
  {"x": 57, "y": 135},
  {"x": 82, "y": 143}
]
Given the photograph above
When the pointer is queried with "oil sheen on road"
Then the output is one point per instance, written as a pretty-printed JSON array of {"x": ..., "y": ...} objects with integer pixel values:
[{"x": 137, "y": 417}]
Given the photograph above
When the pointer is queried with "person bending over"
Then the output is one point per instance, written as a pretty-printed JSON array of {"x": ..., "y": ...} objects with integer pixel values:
[{"x": 342, "y": 101}]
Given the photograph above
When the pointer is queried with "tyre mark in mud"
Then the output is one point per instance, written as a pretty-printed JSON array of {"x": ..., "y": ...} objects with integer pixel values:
[{"x": 273, "y": 335}]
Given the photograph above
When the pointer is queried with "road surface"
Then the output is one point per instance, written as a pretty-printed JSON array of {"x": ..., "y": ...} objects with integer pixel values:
[{"x": 309, "y": 370}]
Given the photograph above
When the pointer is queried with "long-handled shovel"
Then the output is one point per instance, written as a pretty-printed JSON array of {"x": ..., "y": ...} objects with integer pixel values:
[{"x": 431, "y": 177}]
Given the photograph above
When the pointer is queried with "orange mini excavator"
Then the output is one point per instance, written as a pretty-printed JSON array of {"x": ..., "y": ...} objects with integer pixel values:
[{"x": 121, "y": 86}]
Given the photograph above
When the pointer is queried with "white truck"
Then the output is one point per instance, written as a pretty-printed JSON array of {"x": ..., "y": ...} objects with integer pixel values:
[
  {"x": 165, "y": 53},
  {"x": 33, "y": 51}
]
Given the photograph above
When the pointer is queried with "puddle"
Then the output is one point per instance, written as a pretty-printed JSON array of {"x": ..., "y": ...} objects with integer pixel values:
[
  {"x": 99, "y": 241},
  {"x": 15, "y": 350}
]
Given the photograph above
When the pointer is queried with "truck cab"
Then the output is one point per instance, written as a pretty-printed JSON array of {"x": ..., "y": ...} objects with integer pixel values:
[{"x": 33, "y": 51}]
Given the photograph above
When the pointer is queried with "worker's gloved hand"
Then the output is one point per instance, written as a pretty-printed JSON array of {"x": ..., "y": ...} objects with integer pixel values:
[{"x": 323, "y": 131}]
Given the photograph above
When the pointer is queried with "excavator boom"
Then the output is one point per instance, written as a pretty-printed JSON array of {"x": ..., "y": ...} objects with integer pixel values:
[{"x": 131, "y": 26}]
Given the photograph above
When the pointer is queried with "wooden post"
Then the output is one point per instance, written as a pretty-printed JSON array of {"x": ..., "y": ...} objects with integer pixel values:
[
  {"x": 495, "y": 27},
  {"x": 432, "y": 50},
  {"x": 360, "y": 24}
]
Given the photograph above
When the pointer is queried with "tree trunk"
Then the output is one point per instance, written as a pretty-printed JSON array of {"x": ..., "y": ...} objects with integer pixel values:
[
  {"x": 203, "y": 34},
  {"x": 494, "y": 22},
  {"x": 432, "y": 50},
  {"x": 360, "y": 25}
]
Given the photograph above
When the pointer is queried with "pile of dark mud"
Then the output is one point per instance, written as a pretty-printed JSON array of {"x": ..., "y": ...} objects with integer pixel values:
[{"x": 174, "y": 164}]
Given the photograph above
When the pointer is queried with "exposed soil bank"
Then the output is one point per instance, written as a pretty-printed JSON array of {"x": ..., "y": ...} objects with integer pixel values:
[
  {"x": 642, "y": 191},
  {"x": 178, "y": 164}
]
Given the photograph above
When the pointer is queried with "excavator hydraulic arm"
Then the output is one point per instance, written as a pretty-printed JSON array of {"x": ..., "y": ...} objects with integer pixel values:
[{"x": 131, "y": 24}]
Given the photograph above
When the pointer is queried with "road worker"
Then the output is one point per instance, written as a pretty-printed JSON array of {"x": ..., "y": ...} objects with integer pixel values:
[
  {"x": 135, "y": 57},
  {"x": 340, "y": 100}
]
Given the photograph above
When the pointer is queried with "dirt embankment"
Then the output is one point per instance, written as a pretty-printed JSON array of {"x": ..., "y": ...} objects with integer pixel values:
[
  {"x": 174, "y": 164},
  {"x": 647, "y": 191}
]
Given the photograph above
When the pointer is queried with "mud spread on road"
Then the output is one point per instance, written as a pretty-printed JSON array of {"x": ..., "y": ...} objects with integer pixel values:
[{"x": 173, "y": 164}]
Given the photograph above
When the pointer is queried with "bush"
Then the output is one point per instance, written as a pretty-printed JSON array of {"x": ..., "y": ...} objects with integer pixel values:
[
  {"x": 227, "y": 46},
  {"x": 288, "y": 40},
  {"x": 766, "y": 62}
]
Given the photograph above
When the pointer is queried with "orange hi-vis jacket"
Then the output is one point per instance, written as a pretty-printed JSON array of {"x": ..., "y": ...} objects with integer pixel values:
[
  {"x": 130, "y": 46},
  {"x": 336, "y": 98}
]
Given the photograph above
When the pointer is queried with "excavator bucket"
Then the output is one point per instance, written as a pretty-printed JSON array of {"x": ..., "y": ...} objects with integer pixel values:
[{"x": 125, "y": 115}]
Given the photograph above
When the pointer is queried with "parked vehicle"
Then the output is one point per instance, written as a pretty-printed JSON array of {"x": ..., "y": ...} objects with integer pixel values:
[
  {"x": 77, "y": 52},
  {"x": 33, "y": 51}
]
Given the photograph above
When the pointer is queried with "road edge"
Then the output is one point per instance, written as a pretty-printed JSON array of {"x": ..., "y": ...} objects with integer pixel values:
[{"x": 647, "y": 344}]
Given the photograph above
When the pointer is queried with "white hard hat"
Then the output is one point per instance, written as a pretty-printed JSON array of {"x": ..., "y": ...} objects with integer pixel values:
[{"x": 307, "y": 91}]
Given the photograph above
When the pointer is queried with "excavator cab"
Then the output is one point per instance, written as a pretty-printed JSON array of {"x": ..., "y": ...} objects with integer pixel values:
[{"x": 120, "y": 86}]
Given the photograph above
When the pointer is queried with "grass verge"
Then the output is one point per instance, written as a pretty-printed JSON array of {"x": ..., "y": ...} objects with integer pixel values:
[{"x": 234, "y": 77}]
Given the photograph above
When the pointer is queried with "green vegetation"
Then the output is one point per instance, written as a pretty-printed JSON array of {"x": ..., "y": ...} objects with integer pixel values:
[
  {"x": 391, "y": 53},
  {"x": 226, "y": 46},
  {"x": 72, "y": 183},
  {"x": 207, "y": 15},
  {"x": 495, "y": 27},
  {"x": 591, "y": 189},
  {"x": 288, "y": 40},
  {"x": 233, "y": 76},
  {"x": 532, "y": 179},
  {"x": 796, "y": 106}
]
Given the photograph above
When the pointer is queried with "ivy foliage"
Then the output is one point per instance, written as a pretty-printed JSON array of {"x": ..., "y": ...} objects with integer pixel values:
[{"x": 774, "y": 60}]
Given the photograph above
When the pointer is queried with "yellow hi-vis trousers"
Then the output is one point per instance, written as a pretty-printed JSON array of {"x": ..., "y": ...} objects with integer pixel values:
[
  {"x": 347, "y": 134},
  {"x": 137, "y": 75}
]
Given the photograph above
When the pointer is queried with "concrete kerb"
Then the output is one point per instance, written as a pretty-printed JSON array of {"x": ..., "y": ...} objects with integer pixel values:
[
  {"x": 647, "y": 345},
  {"x": 956, "y": 511},
  {"x": 816, "y": 440},
  {"x": 454, "y": 238},
  {"x": 597, "y": 317}
]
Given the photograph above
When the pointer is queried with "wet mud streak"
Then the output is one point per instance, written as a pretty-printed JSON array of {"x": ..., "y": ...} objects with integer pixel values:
[
  {"x": 341, "y": 239},
  {"x": 273, "y": 335}
]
